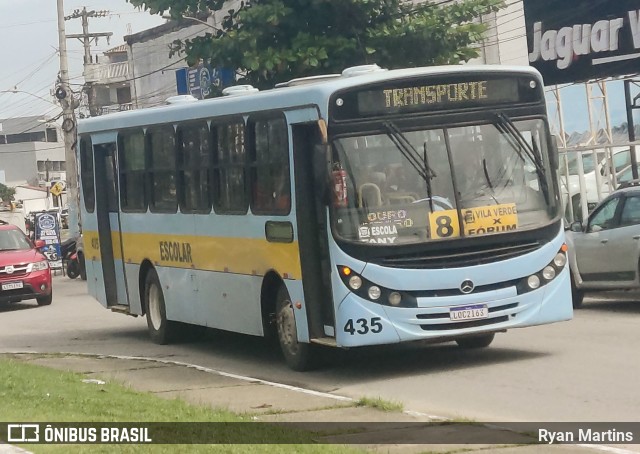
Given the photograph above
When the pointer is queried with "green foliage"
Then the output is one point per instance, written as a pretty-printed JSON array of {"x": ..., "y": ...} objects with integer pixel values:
[
  {"x": 271, "y": 41},
  {"x": 33, "y": 393},
  {"x": 6, "y": 193},
  {"x": 380, "y": 404}
]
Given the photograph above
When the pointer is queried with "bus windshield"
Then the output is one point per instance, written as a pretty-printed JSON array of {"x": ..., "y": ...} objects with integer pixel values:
[{"x": 419, "y": 185}]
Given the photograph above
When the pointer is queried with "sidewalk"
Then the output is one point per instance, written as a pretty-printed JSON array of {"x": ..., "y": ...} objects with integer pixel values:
[{"x": 274, "y": 402}]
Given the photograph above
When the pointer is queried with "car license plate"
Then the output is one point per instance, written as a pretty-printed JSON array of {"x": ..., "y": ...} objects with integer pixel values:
[
  {"x": 12, "y": 285},
  {"x": 464, "y": 313}
]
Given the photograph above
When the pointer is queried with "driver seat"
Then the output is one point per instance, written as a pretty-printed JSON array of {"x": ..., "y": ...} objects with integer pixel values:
[{"x": 369, "y": 195}]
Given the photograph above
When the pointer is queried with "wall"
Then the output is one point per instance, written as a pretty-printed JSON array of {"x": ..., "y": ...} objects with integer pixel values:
[
  {"x": 18, "y": 161},
  {"x": 505, "y": 42},
  {"x": 152, "y": 69}
]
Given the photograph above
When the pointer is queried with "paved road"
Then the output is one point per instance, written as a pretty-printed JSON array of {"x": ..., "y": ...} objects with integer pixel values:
[{"x": 583, "y": 370}]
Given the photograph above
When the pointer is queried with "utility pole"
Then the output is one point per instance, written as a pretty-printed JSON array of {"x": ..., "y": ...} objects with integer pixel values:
[
  {"x": 86, "y": 39},
  {"x": 65, "y": 96}
]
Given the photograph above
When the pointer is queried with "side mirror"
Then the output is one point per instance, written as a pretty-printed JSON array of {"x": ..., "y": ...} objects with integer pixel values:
[
  {"x": 321, "y": 165},
  {"x": 576, "y": 226},
  {"x": 39, "y": 243}
]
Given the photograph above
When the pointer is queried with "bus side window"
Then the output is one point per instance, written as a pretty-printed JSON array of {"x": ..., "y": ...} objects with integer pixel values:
[
  {"x": 270, "y": 180},
  {"x": 194, "y": 163},
  {"x": 162, "y": 174},
  {"x": 229, "y": 169},
  {"x": 132, "y": 163}
]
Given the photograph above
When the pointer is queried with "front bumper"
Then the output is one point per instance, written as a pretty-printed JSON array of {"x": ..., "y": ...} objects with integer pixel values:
[
  {"x": 430, "y": 320},
  {"x": 34, "y": 285}
]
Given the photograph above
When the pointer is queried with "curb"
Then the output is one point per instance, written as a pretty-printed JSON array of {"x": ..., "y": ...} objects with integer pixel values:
[{"x": 10, "y": 449}]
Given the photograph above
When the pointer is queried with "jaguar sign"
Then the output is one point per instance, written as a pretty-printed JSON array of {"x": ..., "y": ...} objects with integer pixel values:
[{"x": 579, "y": 40}]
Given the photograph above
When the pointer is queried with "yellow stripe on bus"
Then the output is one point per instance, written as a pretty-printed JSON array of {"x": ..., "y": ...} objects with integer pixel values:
[{"x": 232, "y": 255}]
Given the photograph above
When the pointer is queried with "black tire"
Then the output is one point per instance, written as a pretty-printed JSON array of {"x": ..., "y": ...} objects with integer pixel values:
[
  {"x": 577, "y": 295},
  {"x": 161, "y": 330},
  {"x": 299, "y": 356},
  {"x": 73, "y": 269},
  {"x": 83, "y": 267},
  {"x": 45, "y": 300},
  {"x": 481, "y": 341}
]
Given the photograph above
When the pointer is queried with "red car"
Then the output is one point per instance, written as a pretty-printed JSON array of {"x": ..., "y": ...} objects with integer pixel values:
[{"x": 24, "y": 271}]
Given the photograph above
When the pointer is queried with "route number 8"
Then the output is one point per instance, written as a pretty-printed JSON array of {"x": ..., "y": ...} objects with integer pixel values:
[{"x": 444, "y": 224}]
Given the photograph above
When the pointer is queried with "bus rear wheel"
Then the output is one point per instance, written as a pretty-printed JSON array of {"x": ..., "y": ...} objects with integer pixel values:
[
  {"x": 299, "y": 356},
  {"x": 481, "y": 341},
  {"x": 161, "y": 330}
]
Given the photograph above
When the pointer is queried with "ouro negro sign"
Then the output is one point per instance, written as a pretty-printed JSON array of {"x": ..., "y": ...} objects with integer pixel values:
[{"x": 578, "y": 40}]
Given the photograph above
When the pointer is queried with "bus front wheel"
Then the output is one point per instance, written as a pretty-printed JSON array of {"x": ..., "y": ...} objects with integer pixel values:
[
  {"x": 161, "y": 330},
  {"x": 482, "y": 341},
  {"x": 299, "y": 356}
]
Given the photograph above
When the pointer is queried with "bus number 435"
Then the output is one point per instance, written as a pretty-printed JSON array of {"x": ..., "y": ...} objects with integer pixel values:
[{"x": 363, "y": 326}]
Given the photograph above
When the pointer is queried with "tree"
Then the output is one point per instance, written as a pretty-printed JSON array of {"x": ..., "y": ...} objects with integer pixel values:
[
  {"x": 271, "y": 41},
  {"x": 6, "y": 193}
]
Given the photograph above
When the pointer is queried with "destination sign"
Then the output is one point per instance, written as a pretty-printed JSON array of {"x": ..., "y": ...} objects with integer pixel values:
[
  {"x": 476, "y": 221},
  {"x": 424, "y": 95}
]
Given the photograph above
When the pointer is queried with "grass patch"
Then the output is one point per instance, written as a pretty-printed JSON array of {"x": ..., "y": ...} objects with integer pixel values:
[
  {"x": 34, "y": 393},
  {"x": 380, "y": 404}
]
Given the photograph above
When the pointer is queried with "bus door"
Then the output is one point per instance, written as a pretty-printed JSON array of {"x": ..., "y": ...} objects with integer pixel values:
[
  {"x": 312, "y": 233},
  {"x": 109, "y": 232}
]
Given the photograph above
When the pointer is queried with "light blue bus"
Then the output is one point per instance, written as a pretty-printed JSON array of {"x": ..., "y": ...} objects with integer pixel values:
[{"x": 366, "y": 208}]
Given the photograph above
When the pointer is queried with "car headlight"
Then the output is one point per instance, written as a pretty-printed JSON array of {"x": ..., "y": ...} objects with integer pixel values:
[{"x": 38, "y": 266}]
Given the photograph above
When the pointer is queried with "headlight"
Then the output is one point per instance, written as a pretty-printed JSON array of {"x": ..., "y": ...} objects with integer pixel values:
[
  {"x": 533, "y": 281},
  {"x": 395, "y": 298},
  {"x": 549, "y": 272},
  {"x": 355, "y": 282},
  {"x": 373, "y": 292},
  {"x": 38, "y": 266},
  {"x": 560, "y": 260},
  {"x": 546, "y": 274}
]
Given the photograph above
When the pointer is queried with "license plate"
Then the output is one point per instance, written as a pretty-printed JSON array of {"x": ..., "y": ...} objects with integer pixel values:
[
  {"x": 12, "y": 286},
  {"x": 463, "y": 313}
]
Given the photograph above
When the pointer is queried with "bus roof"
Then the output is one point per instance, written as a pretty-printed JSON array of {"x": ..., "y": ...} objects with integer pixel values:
[{"x": 312, "y": 94}]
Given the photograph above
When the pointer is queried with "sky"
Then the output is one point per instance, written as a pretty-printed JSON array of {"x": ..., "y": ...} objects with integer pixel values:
[
  {"x": 575, "y": 111},
  {"x": 29, "y": 37}
]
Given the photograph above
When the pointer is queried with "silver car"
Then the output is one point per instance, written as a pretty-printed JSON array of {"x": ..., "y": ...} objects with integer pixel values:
[{"x": 604, "y": 254}]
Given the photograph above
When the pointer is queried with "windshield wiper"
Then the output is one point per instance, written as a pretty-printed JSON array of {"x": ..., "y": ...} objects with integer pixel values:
[
  {"x": 409, "y": 152},
  {"x": 522, "y": 147}
]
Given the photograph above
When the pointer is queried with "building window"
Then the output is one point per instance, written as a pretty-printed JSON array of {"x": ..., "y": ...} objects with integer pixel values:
[
  {"x": 162, "y": 174},
  {"x": 41, "y": 166},
  {"x": 194, "y": 165},
  {"x": 123, "y": 95},
  {"x": 86, "y": 174},
  {"x": 230, "y": 194},
  {"x": 131, "y": 157},
  {"x": 52, "y": 135},
  {"x": 270, "y": 181}
]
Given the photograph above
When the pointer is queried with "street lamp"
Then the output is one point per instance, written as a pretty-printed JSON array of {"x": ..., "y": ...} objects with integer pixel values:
[{"x": 194, "y": 19}]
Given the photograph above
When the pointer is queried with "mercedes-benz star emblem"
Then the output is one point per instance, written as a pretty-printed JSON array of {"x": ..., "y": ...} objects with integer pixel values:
[{"x": 467, "y": 286}]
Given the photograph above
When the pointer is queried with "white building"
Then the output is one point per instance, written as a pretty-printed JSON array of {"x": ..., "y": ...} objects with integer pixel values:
[{"x": 31, "y": 151}]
